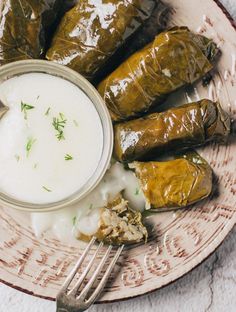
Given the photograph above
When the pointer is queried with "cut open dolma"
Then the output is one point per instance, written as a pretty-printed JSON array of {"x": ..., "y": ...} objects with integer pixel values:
[
  {"x": 118, "y": 224},
  {"x": 91, "y": 32},
  {"x": 23, "y": 24},
  {"x": 175, "y": 183},
  {"x": 175, "y": 58},
  {"x": 177, "y": 128}
]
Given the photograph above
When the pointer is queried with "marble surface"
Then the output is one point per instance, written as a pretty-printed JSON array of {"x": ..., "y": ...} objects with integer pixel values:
[{"x": 211, "y": 287}]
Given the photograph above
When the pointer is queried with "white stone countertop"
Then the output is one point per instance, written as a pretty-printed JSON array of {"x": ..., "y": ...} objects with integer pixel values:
[{"x": 211, "y": 287}]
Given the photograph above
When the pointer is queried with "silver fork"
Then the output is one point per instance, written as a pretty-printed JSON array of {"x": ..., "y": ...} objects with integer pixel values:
[{"x": 69, "y": 300}]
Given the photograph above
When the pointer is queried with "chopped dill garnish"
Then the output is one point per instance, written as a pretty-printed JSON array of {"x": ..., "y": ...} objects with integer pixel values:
[
  {"x": 136, "y": 191},
  {"x": 68, "y": 157},
  {"x": 29, "y": 145},
  {"x": 74, "y": 220},
  {"x": 38, "y": 97},
  {"x": 47, "y": 111},
  {"x": 35, "y": 165},
  {"x": 25, "y": 107},
  {"x": 62, "y": 116},
  {"x": 91, "y": 206},
  {"x": 75, "y": 123},
  {"x": 59, "y": 125},
  {"x": 47, "y": 189},
  {"x": 17, "y": 157}
]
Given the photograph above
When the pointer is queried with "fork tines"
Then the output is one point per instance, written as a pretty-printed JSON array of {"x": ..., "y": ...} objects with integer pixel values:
[{"x": 81, "y": 296}]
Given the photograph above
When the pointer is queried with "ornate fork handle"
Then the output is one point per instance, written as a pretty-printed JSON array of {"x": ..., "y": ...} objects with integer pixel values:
[{"x": 69, "y": 310}]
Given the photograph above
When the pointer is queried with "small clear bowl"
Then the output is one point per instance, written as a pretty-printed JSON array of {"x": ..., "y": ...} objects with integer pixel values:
[{"x": 41, "y": 66}]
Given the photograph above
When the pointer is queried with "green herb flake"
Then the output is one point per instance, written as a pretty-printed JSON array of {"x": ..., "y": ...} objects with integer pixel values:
[
  {"x": 38, "y": 97},
  {"x": 24, "y": 108},
  {"x": 62, "y": 116},
  {"x": 47, "y": 189},
  {"x": 137, "y": 191},
  {"x": 35, "y": 165},
  {"x": 59, "y": 125},
  {"x": 74, "y": 220},
  {"x": 76, "y": 123},
  {"x": 29, "y": 145},
  {"x": 47, "y": 111},
  {"x": 68, "y": 157},
  {"x": 91, "y": 207},
  {"x": 17, "y": 157}
]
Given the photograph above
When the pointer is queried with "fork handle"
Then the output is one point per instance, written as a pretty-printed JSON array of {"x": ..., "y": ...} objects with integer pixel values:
[{"x": 66, "y": 310}]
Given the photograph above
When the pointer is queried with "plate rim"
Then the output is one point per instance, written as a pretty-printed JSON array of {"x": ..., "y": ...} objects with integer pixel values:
[
  {"x": 214, "y": 248},
  {"x": 226, "y": 13}
]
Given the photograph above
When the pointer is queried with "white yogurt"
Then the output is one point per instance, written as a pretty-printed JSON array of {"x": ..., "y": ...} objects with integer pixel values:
[
  {"x": 83, "y": 217},
  {"x": 42, "y": 162}
]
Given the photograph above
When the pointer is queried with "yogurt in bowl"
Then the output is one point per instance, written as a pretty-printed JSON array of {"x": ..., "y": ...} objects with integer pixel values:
[{"x": 55, "y": 139}]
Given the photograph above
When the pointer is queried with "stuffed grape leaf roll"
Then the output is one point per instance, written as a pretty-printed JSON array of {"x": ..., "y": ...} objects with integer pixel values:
[
  {"x": 23, "y": 24},
  {"x": 176, "y": 183},
  {"x": 175, "y": 58},
  {"x": 92, "y": 31},
  {"x": 177, "y": 128}
]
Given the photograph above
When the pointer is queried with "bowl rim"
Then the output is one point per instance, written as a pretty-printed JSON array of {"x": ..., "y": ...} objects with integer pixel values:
[{"x": 19, "y": 68}]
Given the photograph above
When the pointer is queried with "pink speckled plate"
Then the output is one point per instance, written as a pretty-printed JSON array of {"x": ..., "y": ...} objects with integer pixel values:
[{"x": 180, "y": 240}]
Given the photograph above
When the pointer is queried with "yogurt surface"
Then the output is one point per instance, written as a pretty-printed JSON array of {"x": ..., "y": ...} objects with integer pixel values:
[{"x": 51, "y": 139}]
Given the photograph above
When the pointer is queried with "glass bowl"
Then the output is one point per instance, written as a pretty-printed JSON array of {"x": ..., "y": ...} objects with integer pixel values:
[{"x": 41, "y": 66}]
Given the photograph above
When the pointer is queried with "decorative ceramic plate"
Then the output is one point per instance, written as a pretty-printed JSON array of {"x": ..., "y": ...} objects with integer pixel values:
[{"x": 179, "y": 240}]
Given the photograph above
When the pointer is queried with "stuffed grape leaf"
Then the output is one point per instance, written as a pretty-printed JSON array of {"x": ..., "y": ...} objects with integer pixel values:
[
  {"x": 176, "y": 183},
  {"x": 175, "y": 58},
  {"x": 175, "y": 129},
  {"x": 23, "y": 25},
  {"x": 92, "y": 31}
]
